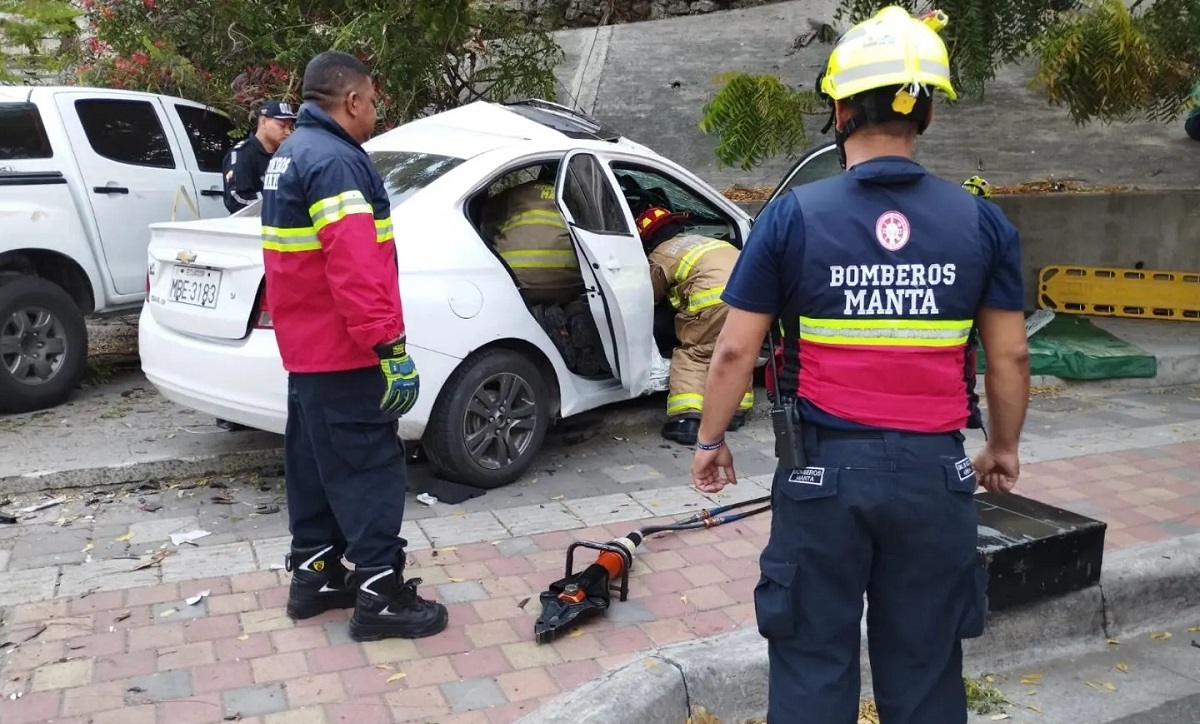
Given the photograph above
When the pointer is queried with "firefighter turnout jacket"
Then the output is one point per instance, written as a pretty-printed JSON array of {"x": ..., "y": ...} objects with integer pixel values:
[
  {"x": 532, "y": 238},
  {"x": 690, "y": 271},
  {"x": 876, "y": 275},
  {"x": 328, "y": 248}
]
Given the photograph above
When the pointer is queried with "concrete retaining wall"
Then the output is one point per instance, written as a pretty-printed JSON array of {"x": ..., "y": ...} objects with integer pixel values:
[{"x": 1153, "y": 229}]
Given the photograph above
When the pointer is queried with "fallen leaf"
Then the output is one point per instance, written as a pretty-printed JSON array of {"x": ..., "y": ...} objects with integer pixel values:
[
  {"x": 1109, "y": 685},
  {"x": 166, "y": 613},
  {"x": 385, "y": 667},
  {"x": 558, "y": 497},
  {"x": 125, "y": 538},
  {"x": 243, "y": 637},
  {"x": 1194, "y": 629},
  {"x": 1000, "y": 717},
  {"x": 455, "y": 580},
  {"x": 574, "y": 632},
  {"x": 1160, "y": 636},
  {"x": 1114, "y": 642},
  {"x": 396, "y": 676},
  {"x": 88, "y": 547},
  {"x": 683, "y": 598},
  {"x": 1124, "y": 668},
  {"x": 990, "y": 678},
  {"x": 1031, "y": 707}
]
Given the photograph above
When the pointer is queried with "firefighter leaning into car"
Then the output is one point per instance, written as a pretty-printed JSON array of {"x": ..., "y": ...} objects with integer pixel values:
[
  {"x": 880, "y": 280},
  {"x": 691, "y": 272},
  {"x": 333, "y": 293},
  {"x": 245, "y": 165}
]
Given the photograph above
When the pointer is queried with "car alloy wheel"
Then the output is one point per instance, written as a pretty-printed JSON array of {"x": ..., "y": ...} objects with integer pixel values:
[
  {"x": 33, "y": 345},
  {"x": 500, "y": 420}
]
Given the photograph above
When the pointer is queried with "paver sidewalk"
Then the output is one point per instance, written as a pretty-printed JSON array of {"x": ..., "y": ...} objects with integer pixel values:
[{"x": 144, "y": 655}]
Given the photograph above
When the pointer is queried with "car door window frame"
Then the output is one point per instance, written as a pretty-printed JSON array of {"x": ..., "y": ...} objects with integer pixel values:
[
  {"x": 648, "y": 167},
  {"x": 188, "y": 145},
  {"x": 159, "y": 116},
  {"x": 604, "y": 216}
]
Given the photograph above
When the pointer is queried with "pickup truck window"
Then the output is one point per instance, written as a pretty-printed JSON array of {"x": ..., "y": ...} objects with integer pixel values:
[
  {"x": 209, "y": 133},
  {"x": 22, "y": 134},
  {"x": 125, "y": 131}
]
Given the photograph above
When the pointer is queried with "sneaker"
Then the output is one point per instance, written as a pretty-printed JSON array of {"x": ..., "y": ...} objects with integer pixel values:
[
  {"x": 388, "y": 607},
  {"x": 319, "y": 583}
]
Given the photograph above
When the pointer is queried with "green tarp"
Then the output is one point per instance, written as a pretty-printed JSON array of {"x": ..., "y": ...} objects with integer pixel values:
[{"x": 1073, "y": 348}]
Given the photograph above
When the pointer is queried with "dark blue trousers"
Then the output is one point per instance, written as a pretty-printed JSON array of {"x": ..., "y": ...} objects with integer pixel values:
[
  {"x": 893, "y": 517},
  {"x": 344, "y": 466}
]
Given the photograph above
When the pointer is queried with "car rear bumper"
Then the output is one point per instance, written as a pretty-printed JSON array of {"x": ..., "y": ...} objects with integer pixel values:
[{"x": 243, "y": 381}]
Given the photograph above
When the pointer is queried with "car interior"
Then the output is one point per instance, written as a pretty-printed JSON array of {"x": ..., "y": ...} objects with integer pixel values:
[{"x": 641, "y": 187}]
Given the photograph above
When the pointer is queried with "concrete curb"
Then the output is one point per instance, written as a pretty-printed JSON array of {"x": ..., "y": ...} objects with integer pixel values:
[
  {"x": 242, "y": 462},
  {"x": 727, "y": 674}
]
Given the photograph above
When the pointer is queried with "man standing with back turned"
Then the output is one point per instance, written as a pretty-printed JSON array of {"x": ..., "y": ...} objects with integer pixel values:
[
  {"x": 881, "y": 280},
  {"x": 333, "y": 293}
]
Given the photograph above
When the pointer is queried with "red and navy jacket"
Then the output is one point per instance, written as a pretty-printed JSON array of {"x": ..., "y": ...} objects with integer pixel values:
[
  {"x": 876, "y": 276},
  {"x": 332, "y": 285}
]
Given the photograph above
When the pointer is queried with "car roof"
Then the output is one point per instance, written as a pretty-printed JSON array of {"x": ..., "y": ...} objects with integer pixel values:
[{"x": 483, "y": 126}]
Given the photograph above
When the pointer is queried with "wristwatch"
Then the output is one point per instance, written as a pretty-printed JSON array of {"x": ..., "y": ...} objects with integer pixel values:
[{"x": 391, "y": 350}]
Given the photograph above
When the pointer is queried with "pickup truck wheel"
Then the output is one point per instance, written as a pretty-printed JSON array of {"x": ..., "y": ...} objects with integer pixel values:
[
  {"x": 490, "y": 421},
  {"x": 43, "y": 345}
]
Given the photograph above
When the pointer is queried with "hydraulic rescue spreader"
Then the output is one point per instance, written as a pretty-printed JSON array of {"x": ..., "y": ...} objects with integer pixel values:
[{"x": 588, "y": 592}]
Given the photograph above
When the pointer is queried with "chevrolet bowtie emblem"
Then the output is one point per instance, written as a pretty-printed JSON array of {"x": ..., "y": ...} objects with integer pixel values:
[{"x": 185, "y": 256}]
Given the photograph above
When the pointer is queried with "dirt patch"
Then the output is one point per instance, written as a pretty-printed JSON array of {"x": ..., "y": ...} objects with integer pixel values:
[{"x": 112, "y": 348}]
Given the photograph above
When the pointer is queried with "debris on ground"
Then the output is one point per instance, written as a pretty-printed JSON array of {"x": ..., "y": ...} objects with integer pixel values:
[
  {"x": 740, "y": 192},
  {"x": 192, "y": 536},
  {"x": 427, "y": 499}
]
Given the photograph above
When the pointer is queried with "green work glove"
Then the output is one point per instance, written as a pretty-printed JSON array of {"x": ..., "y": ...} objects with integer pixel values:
[{"x": 400, "y": 374}]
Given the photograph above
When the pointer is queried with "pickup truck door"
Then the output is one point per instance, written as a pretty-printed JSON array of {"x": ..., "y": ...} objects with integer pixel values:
[
  {"x": 614, "y": 266},
  {"x": 204, "y": 135},
  {"x": 133, "y": 174}
]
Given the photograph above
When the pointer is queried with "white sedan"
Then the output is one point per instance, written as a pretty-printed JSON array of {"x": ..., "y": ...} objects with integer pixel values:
[{"x": 207, "y": 344}]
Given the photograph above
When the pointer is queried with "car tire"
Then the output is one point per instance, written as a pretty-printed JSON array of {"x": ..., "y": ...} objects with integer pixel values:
[
  {"x": 44, "y": 313},
  {"x": 465, "y": 445}
]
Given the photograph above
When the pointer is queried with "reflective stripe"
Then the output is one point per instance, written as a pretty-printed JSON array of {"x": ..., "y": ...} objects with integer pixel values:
[
  {"x": 336, "y": 208},
  {"x": 540, "y": 259},
  {"x": 887, "y": 67},
  {"x": 383, "y": 230},
  {"x": 887, "y": 332},
  {"x": 289, "y": 240},
  {"x": 534, "y": 217},
  {"x": 747, "y": 401},
  {"x": 688, "y": 262},
  {"x": 686, "y": 402},
  {"x": 705, "y": 298}
]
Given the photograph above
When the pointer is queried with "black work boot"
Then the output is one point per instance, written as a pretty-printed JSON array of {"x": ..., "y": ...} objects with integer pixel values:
[
  {"x": 739, "y": 419},
  {"x": 388, "y": 607},
  {"x": 682, "y": 430},
  {"x": 319, "y": 582}
]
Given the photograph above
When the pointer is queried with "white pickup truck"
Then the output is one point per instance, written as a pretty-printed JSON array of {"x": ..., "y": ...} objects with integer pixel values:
[{"x": 83, "y": 173}]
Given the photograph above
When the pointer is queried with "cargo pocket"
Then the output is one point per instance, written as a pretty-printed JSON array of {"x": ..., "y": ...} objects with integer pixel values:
[
  {"x": 363, "y": 444},
  {"x": 975, "y": 610},
  {"x": 773, "y": 600},
  {"x": 810, "y": 483}
]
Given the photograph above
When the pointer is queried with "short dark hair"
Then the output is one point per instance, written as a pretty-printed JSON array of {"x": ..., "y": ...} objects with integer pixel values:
[{"x": 329, "y": 76}]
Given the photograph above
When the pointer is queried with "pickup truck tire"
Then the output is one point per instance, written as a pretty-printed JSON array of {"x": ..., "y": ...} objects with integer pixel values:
[
  {"x": 489, "y": 421},
  {"x": 43, "y": 345}
]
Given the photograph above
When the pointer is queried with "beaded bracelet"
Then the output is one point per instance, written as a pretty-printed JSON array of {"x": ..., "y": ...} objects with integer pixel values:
[{"x": 710, "y": 445}]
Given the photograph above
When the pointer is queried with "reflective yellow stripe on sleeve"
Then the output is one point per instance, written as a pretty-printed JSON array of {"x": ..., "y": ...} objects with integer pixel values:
[
  {"x": 540, "y": 259},
  {"x": 887, "y": 332},
  {"x": 688, "y": 262},
  {"x": 705, "y": 298},
  {"x": 335, "y": 208},
  {"x": 290, "y": 240},
  {"x": 383, "y": 230}
]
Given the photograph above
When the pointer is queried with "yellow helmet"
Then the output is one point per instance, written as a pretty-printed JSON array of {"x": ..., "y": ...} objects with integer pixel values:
[
  {"x": 978, "y": 186},
  {"x": 891, "y": 48}
]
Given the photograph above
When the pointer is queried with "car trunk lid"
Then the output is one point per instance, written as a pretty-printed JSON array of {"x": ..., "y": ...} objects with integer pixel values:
[{"x": 206, "y": 277}]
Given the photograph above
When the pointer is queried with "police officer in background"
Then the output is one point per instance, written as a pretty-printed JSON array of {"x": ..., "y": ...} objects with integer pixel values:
[
  {"x": 333, "y": 291},
  {"x": 882, "y": 279},
  {"x": 246, "y": 163}
]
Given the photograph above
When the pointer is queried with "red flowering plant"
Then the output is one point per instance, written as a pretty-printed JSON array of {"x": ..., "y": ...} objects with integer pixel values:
[{"x": 425, "y": 55}]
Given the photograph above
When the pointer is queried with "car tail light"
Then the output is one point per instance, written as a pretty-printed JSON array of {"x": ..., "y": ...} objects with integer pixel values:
[{"x": 262, "y": 316}]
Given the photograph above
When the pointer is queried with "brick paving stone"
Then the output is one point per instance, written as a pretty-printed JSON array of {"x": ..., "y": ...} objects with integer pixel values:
[{"x": 238, "y": 646}]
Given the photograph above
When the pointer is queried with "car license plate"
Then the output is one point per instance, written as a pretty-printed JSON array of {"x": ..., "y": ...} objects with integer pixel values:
[{"x": 195, "y": 285}]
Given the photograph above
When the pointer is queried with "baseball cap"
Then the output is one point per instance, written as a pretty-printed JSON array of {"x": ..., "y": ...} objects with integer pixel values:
[{"x": 278, "y": 109}]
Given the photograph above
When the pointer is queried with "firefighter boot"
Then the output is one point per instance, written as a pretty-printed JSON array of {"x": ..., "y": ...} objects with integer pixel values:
[
  {"x": 738, "y": 421},
  {"x": 319, "y": 582},
  {"x": 682, "y": 430},
  {"x": 388, "y": 606}
]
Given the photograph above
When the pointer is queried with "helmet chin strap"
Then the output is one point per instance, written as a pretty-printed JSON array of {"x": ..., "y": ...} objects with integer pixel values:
[{"x": 841, "y": 134}]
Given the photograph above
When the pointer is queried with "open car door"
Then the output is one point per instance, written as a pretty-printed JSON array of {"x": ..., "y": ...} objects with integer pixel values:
[
  {"x": 813, "y": 164},
  {"x": 614, "y": 266}
]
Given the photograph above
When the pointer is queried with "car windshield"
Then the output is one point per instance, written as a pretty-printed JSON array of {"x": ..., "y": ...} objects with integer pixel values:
[{"x": 404, "y": 174}]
